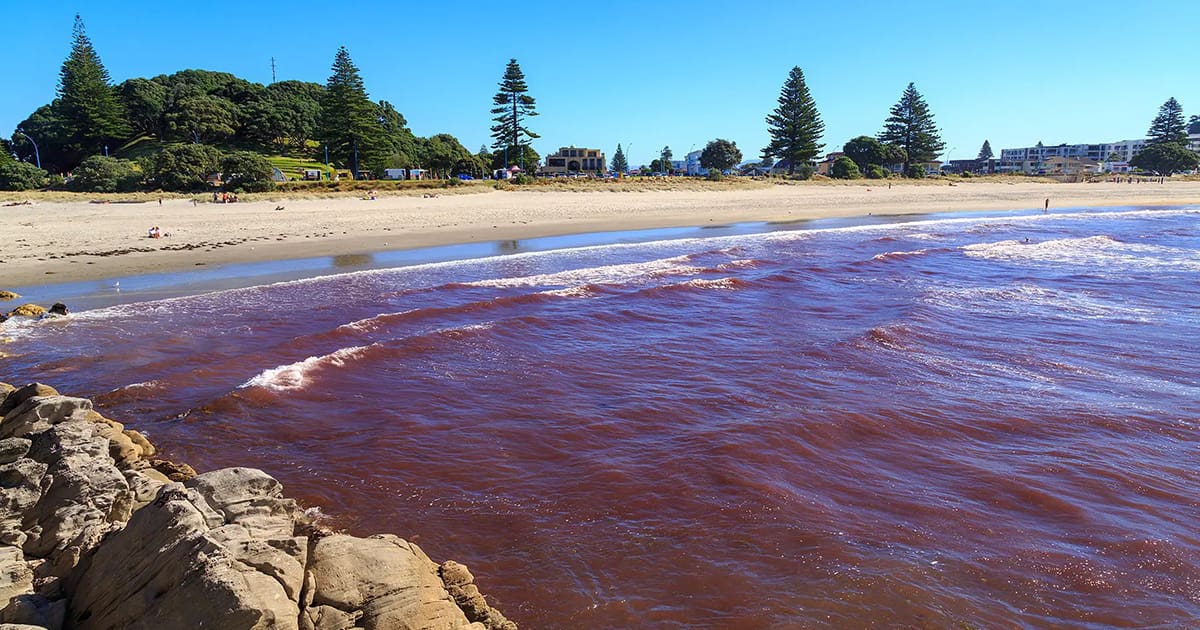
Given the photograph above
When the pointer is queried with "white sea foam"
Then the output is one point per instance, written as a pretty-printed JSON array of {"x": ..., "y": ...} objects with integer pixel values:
[
  {"x": 295, "y": 376},
  {"x": 887, "y": 255},
  {"x": 1096, "y": 252},
  {"x": 724, "y": 244},
  {"x": 716, "y": 283},
  {"x": 571, "y": 292},
  {"x": 607, "y": 274},
  {"x": 1028, "y": 299}
]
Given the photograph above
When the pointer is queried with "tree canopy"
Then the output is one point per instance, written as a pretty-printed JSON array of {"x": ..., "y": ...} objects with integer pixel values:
[
  {"x": 1193, "y": 125},
  {"x": 1166, "y": 158},
  {"x": 865, "y": 151},
  {"x": 512, "y": 105},
  {"x": 910, "y": 127},
  {"x": 349, "y": 122},
  {"x": 104, "y": 174},
  {"x": 795, "y": 126},
  {"x": 844, "y": 168},
  {"x": 619, "y": 163},
  {"x": 1168, "y": 125},
  {"x": 720, "y": 154},
  {"x": 87, "y": 103},
  {"x": 985, "y": 151}
]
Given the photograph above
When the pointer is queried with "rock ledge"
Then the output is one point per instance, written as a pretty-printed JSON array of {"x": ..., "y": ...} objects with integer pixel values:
[{"x": 96, "y": 533}]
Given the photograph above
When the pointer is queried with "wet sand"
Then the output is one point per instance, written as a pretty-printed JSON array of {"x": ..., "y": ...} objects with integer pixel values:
[{"x": 55, "y": 242}]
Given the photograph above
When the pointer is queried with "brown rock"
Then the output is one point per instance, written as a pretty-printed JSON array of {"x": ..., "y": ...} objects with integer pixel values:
[
  {"x": 167, "y": 570},
  {"x": 20, "y": 395},
  {"x": 389, "y": 580},
  {"x": 37, "y": 414},
  {"x": 460, "y": 584},
  {"x": 148, "y": 449},
  {"x": 8, "y": 295},
  {"x": 83, "y": 496},
  {"x": 173, "y": 471},
  {"x": 28, "y": 310},
  {"x": 12, "y": 449}
]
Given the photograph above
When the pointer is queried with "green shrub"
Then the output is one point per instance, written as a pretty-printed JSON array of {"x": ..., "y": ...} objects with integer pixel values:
[
  {"x": 714, "y": 175},
  {"x": 247, "y": 171},
  {"x": 966, "y": 175},
  {"x": 185, "y": 167},
  {"x": 915, "y": 171},
  {"x": 522, "y": 179},
  {"x": 844, "y": 168},
  {"x": 805, "y": 171},
  {"x": 875, "y": 171},
  {"x": 104, "y": 174},
  {"x": 22, "y": 176}
]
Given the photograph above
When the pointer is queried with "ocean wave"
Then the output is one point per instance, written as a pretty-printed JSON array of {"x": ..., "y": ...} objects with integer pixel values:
[
  {"x": 295, "y": 376},
  {"x": 1029, "y": 299},
  {"x": 892, "y": 255},
  {"x": 733, "y": 245},
  {"x": 608, "y": 274},
  {"x": 1098, "y": 252}
]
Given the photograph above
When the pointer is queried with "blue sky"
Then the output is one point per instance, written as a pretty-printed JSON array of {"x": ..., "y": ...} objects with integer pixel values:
[{"x": 655, "y": 73}]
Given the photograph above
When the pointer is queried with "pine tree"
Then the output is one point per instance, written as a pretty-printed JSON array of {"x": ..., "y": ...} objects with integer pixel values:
[
  {"x": 795, "y": 126},
  {"x": 88, "y": 105},
  {"x": 619, "y": 163},
  {"x": 985, "y": 152},
  {"x": 512, "y": 106},
  {"x": 1168, "y": 125},
  {"x": 911, "y": 127},
  {"x": 349, "y": 124}
]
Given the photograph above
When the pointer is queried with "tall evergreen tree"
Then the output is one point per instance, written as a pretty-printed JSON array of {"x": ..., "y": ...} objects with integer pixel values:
[
  {"x": 985, "y": 152},
  {"x": 1193, "y": 125},
  {"x": 88, "y": 104},
  {"x": 349, "y": 123},
  {"x": 512, "y": 105},
  {"x": 664, "y": 158},
  {"x": 1168, "y": 125},
  {"x": 910, "y": 127},
  {"x": 619, "y": 163},
  {"x": 795, "y": 126}
]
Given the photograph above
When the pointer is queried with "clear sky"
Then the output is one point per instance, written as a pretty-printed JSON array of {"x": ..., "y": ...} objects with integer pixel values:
[{"x": 650, "y": 74}]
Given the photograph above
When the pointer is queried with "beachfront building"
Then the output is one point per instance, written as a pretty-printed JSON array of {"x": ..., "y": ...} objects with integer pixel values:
[
  {"x": 975, "y": 166},
  {"x": 692, "y": 164},
  {"x": 1112, "y": 156},
  {"x": 574, "y": 160}
]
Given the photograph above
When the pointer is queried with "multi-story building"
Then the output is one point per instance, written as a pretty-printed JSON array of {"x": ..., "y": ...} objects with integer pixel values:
[
  {"x": 574, "y": 160},
  {"x": 1032, "y": 159},
  {"x": 693, "y": 164}
]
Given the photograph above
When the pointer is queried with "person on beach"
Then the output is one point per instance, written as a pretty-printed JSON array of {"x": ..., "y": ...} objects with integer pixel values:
[
  {"x": 1046, "y": 208},
  {"x": 154, "y": 232}
]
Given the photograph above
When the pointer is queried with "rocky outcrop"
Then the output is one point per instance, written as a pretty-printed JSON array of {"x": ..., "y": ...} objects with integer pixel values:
[
  {"x": 27, "y": 310},
  {"x": 96, "y": 533}
]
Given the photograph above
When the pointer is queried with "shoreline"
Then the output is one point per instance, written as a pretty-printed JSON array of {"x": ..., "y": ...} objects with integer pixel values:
[{"x": 57, "y": 242}]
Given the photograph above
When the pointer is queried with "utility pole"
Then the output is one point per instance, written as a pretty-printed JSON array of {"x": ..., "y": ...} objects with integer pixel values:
[{"x": 272, "y": 69}]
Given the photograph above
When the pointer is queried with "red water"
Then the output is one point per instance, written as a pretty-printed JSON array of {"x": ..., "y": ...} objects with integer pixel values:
[{"x": 934, "y": 424}]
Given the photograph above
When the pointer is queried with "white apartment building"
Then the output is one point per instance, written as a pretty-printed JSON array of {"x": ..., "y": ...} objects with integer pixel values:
[
  {"x": 1114, "y": 157},
  {"x": 693, "y": 164},
  {"x": 1111, "y": 152}
]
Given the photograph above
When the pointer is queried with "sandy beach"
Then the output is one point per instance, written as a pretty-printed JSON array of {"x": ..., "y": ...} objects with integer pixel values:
[{"x": 52, "y": 242}]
